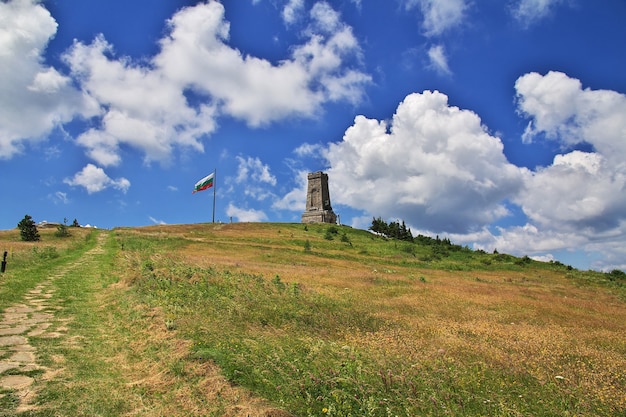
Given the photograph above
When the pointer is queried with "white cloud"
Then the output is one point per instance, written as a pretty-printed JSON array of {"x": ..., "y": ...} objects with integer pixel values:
[
  {"x": 144, "y": 104},
  {"x": 438, "y": 59},
  {"x": 295, "y": 199},
  {"x": 144, "y": 109},
  {"x": 530, "y": 11},
  {"x": 59, "y": 197},
  {"x": 435, "y": 166},
  {"x": 253, "y": 178},
  {"x": 34, "y": 98},
  {"x": 292, "y": 11},
  {"x": 308, "y": 149},
  {"x": 580, "y": 196},
  {"x": 195, "y": 53},
  {"x": 562, "y": 110},
  {"x": 156, "y": 221},
  {"x": 580, "y": 192},
  {"x": 439, "y": 15},
  {"x": 94, "y": 180},
  {"x": 253, "y": 170},
  {"x": 245, "y": 215},
  {"x": 325, "y": 18}
]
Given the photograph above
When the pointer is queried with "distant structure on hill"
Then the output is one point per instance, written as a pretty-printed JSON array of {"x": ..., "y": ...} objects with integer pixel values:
[{"x": 318, "y": 208}]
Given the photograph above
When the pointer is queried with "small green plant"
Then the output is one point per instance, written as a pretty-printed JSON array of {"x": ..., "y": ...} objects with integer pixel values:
[
  {"x": 307, "y": 246},
  {"x": 62, "y": 230},
  {"x": 278, "y": 283}
]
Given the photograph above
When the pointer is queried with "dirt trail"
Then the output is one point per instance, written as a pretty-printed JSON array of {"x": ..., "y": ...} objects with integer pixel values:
[{"x": 20, "y": 324}]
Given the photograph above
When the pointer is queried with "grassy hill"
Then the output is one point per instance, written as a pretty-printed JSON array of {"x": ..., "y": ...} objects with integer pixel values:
[{"x": 327, "y": 320}]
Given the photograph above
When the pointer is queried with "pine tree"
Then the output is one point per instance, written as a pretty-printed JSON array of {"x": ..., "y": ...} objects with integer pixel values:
[{"x": 28, "y": 229}]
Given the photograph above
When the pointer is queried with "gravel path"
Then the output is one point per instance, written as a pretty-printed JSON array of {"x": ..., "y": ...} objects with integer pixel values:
[{"x": 20, "y": 324}]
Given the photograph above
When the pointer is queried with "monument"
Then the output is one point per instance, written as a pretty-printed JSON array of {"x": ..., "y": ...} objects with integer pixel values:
[{"x": 318, "y": 208}]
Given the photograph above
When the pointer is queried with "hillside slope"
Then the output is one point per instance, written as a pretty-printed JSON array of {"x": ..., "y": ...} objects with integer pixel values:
[
  {"x": 329, "y": 320},
  {"x": 285, "y": 319}
]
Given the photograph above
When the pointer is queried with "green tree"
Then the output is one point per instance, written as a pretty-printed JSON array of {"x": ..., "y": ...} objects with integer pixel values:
[{"x": 28, "y": 229}]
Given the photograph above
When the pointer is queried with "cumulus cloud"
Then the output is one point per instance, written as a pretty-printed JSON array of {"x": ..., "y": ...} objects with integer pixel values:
[
  {"x": 245, "y": 215},
  {"x": 34, "y": 98},
  {"x": 93, "y": 179},
  {"x": 435, "y": 166},
  {"x": 560, "y": 109},
  {"x": 144, "y": 109},
  {"x": 173, "y": 99},
  {"x": 195, "y": 53},
  {"x": 581, "y": 194},
  {"x": 439, "y": 15}
]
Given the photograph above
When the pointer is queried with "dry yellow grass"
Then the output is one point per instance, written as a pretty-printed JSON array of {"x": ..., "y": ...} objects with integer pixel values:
[{"x": 533, "y": 321}]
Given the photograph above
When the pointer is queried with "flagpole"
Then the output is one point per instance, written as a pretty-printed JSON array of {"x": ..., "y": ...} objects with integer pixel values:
[{"x": 214, "y": 187}]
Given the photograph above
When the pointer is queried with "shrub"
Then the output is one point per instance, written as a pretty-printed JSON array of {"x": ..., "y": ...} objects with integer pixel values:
[
  {"x": 617, "y": 274},
  {"x": 62, "y": 230}
]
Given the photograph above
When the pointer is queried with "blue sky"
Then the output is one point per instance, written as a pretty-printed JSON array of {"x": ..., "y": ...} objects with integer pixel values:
[{"x": 499, "y": 124}]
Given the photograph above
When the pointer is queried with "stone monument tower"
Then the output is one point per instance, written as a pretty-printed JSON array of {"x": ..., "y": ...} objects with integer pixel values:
[{"x": 318, "y": 209}]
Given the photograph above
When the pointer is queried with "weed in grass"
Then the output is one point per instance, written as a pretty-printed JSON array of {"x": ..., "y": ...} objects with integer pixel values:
[
  {"x": 47, "y": 252},
  {"x": 9, "y": 401}
]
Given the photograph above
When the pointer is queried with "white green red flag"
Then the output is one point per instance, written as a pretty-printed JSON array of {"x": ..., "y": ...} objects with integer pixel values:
[{"x": 204, "y": 183}]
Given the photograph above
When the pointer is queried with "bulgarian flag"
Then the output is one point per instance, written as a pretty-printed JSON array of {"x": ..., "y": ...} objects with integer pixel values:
[{"x": 204, "y": 183}]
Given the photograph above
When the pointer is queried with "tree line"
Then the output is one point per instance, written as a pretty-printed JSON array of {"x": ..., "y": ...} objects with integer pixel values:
[{"x": 398, "y": 230}]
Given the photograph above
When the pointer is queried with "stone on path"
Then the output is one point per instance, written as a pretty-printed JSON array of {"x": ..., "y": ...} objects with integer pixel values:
[
  {"x": 13, "y": 340},
  {"x": 16, "y": 382},
  {"x": 5, "y": 366},
  {"x": 23, "y": 357},
  {"x": 13, "y": 330}
]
